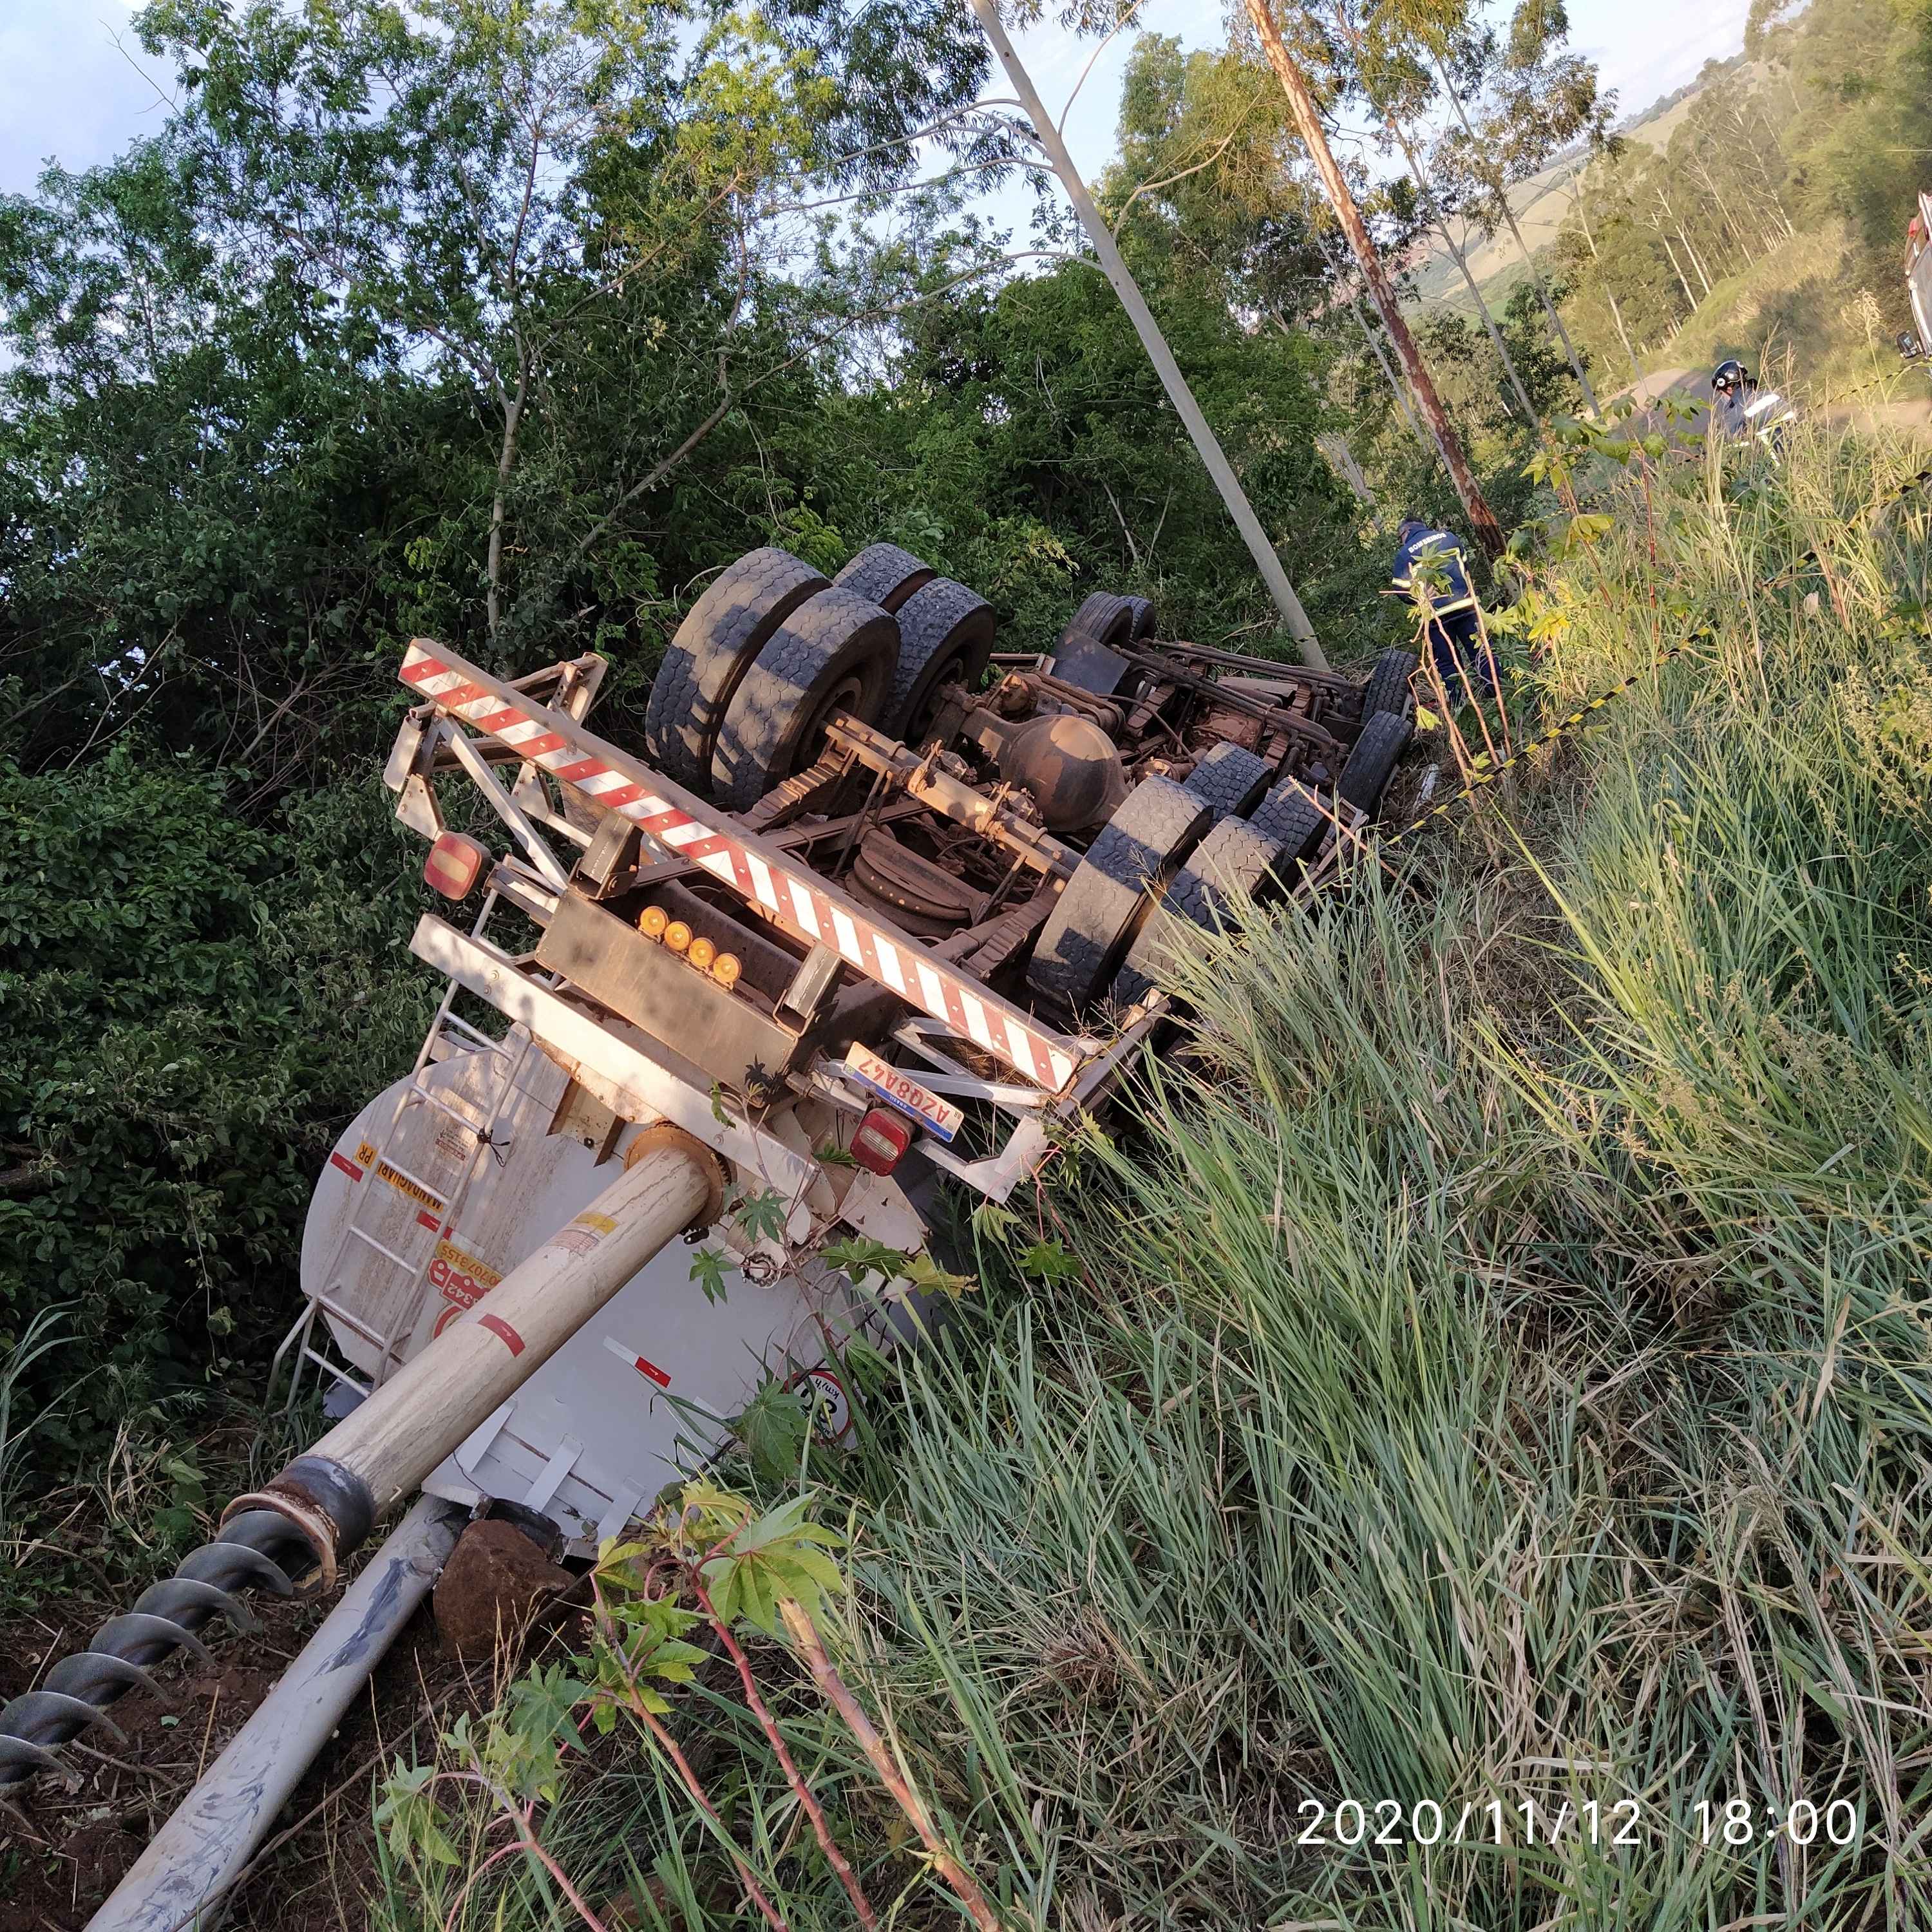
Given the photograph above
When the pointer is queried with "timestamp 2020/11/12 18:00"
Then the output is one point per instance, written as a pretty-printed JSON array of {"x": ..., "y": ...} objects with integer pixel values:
[{"x": 1621, "y": 1824}]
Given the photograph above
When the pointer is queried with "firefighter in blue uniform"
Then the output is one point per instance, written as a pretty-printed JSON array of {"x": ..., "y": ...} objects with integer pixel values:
[{"x": 1454, "y": 632}]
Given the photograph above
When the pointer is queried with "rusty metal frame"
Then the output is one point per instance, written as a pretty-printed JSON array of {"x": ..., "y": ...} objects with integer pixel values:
[{"x": 784, "y": 890}]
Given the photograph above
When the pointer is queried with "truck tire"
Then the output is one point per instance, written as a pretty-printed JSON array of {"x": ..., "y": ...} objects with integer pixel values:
[
  {"x": 719, "y": 639},
  {"x": 1106, "y": 619},
  {"x": 1388, "y": 687},
  {"x": 1232, "y": 867},
  {"x": 837, "y": 652},
  {"x": 1292, "y": 818},
  {"x": 1383, "y": 740},
  {"x": 946, "y": 637},
  {"x": 1144, "y": 618},
  {"x": 885, "y": 575},
  {"x": 1231, "y": 780},
  {"x": 1100, "y": 909}
]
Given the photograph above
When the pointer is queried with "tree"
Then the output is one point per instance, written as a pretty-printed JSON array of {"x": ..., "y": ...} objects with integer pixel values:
[
  {"x": 1530, "y": 101},
  {"x": 409, "y": 320},
  {"x": 1483, "y": 523}
]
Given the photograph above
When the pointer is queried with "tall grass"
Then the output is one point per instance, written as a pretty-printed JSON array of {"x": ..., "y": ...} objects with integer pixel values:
[{"x": 1500, "y": 1374}]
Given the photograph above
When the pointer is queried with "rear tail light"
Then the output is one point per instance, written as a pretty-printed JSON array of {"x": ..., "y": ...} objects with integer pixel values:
[
  {"x": 454, "y": 864},
  {"x": 652, "y": 921},
  {"x": 881, "y": 1142}
]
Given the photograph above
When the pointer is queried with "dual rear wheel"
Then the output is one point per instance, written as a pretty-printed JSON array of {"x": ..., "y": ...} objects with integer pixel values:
[{"x": 772, "y": 650}]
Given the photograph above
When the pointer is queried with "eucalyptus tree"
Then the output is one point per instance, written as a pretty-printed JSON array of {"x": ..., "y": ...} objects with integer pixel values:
[
  {"x": 1320, "y": 50},
  {"x": 1210, "y": 194},
  {"x": 1516, "y": 101},
  {"x": 1399, "y": 87}
]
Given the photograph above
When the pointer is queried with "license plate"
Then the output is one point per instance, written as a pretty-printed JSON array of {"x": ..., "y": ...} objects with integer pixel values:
[{"x": 902, "y": 1090}]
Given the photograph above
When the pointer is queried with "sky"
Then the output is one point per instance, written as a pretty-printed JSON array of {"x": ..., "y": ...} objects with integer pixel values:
[{"x": 74, "y": 85}]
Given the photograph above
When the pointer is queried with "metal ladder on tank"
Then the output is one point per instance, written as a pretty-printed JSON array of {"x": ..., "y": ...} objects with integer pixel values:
[{"x": 447, "y": 1035}]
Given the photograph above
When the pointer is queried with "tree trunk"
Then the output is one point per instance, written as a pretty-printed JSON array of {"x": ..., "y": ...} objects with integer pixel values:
[
  {"x": 1672, "y": 213},
  {"x": 1375, "y": 342},
  {"x": 513, "y": 416},
  {"x": 1483, "y": 524},
  {"x": 1703, "y": 275},
  {"x": 1576, "y": 181},
  {"x": 1500, "y": 190},
  {"x": 1623, "y": 334},
  {"x": 1462, "y": 262},
  {"x": 1683, "y": 281}
]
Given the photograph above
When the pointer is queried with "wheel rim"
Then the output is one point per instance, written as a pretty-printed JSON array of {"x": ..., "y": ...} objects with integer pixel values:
[
  {"x": 843, "y": 696},
  {"x": 925, "y": 705}
]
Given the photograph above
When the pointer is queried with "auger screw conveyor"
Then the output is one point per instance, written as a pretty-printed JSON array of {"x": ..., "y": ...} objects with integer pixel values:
[{"x": 876, "y": 911}]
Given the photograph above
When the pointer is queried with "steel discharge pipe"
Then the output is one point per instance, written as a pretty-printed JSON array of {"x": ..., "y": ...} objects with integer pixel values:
[{"x": 386, "y": 1446}]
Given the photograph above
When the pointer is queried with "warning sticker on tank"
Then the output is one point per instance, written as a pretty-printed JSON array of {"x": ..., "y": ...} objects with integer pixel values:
[
  {"x": 459, "y": 1277},
  {"x": 889, "y": 1083},
  {"x": 365, "y": 1156},
  {"x": 831, "y": 1407},
  {"x": 502, "y": 1331},
  {"x": 643, "y": 1364}
]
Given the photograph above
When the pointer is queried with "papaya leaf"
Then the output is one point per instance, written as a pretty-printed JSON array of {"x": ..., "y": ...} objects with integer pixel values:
[
  {"x": 856, "y": 1257},
  {"x": 927, "y": 1276},
  {"x": 1050, "y": 1262},
  {"x": 771, "y": 1557},
  {"x": 773, "y": 1426},
  {"x": 762, "y": 1215},
  {"x": 707, "y": 1269}
]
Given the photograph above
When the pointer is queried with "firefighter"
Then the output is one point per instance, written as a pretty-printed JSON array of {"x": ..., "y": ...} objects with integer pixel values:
[
  {"x": 1456, "y": 643},
  {"x": 1744, "y": 413}
]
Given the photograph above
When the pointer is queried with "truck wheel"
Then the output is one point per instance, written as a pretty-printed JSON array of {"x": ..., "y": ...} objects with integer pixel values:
[
  {"x": 1232, "y": 867},
  {"x": 1102, "y": 905},
  {"x": 1290, "y": 818},
  {"x": 1383, "y": 740},
  {"x": 837, "y": 652},
  {"x": 885, "y": 575},
  {"x": 720, "y": 636},
  {"x": 946, "y": 637},
  {"x": 1388, "y": 687},
  {"x": 1144, "y": 618},
  {"x": 1231, "y": 780},
  {"x": 1106, "y": 619}
]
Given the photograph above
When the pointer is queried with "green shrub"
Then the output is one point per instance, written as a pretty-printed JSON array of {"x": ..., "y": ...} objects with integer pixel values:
[{"x": 193, "y": 1006}]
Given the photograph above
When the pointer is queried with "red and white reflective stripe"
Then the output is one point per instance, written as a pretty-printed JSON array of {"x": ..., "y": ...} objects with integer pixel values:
[
  {"x": 794, "y": 898},
  {"x": 643, "y": 1364},
  {"x": 503, "y": 1332}
]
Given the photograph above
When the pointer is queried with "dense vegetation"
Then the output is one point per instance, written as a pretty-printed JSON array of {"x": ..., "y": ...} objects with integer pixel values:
[{"x": 277, "y": 398}]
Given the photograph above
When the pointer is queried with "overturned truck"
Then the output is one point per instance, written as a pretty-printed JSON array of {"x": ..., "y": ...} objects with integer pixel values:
[{"x": 879, "y": 908}]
